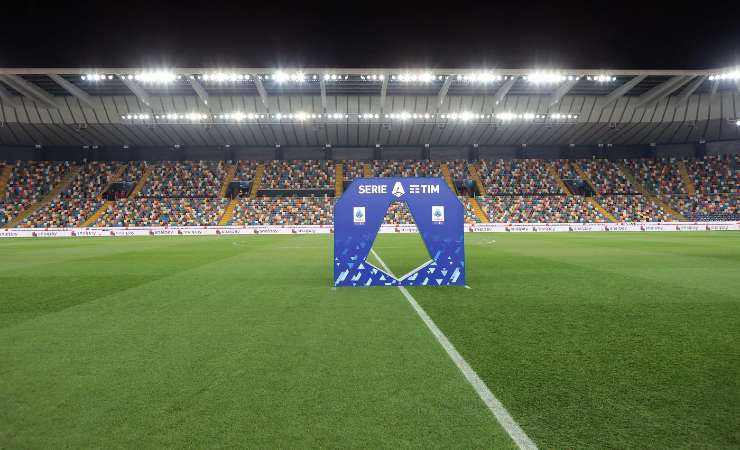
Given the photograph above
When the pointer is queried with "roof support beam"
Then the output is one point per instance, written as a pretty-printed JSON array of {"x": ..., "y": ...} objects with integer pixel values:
[
  {"x": 383, "y": 91},
  {"x": 262, "y": 91},
  {"x": 660, "y": 91},
  {"x": 691, "y": 88},
  {"x": 81, "y": 95},
  {"x": 619, "y": 92},
  {"x": 713, "y": 91},
  {"x": 8, "y": 98},
  {"x": 443, "y": 91},
  {"x": 138, "y": 91},
  {"x": 503, "y": 90},
  {"x": 322, "y": 85},
  {"x": 561, "y": 91},
  {"x": 30, "y": 90},
  {"x": 200, "y": 90}
]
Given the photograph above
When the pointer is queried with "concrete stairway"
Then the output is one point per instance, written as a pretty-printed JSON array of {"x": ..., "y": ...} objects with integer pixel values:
[
  {"x": 601, "y": 209},
  {"x": 554, "y": 173},
  {"x": 582, "y": 175},
  {"x": 97, "y": 214},
  {"x": 257, "y": 182},
  {"x": 473, "y": 170},
  {"x": 641, "y": 188},
  {"x": 115, "y": 177},
  {"x": 338, "y": 180},
  {"x": 690, "y": 189},
  {"x": 475, "y": 206},
  {"x": 62, "y": 185},
  {"x": 140, "y": 184},
  {"x": 4, "y": 179},
  {"x": 228, "y": 213},
  {"x": 230, "y": 172},
  {"x": 367, "y": 170},
  {"x": 448, "y": 178}
]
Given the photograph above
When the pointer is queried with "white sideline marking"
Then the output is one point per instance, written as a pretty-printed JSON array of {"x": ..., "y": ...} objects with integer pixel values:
[{"x": 503, "y": 417}]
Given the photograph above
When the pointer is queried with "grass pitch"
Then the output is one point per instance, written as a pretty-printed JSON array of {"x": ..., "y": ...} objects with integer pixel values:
[{"x": 590, "y": 341}]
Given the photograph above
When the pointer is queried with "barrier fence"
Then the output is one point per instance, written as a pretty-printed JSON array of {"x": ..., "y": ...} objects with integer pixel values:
[{"x": 326, "y": 229}]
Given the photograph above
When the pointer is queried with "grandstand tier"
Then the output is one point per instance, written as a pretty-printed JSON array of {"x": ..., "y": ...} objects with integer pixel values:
[{"x": 48, "y": 194}]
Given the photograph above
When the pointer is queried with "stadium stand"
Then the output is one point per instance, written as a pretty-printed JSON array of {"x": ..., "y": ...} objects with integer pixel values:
[
  {"x": 142, "y": 212},
  {"x": 540, "y": 209},
  {"x": 517, "y": 177},
  {"x": 283, "y": 211},
  {"x": 27, "y": 183},
  {"x": 185, "y": 179},
  {"x": 308, "y": 174},
  {"x": 188, "y": 192},
  {"x": 75, "y": 204}
]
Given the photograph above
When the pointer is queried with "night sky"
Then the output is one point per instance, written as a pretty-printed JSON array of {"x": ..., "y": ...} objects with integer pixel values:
[{"x": 265, "y": 33}]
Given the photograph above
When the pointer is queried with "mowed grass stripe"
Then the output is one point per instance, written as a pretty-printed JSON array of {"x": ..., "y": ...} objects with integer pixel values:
[
  {"x": 592, "y": 348},
  {"x": 232, "y": 345}
]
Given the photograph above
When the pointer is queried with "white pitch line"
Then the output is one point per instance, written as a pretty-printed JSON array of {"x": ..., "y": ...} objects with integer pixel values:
[{"x": 497, "y": 408}]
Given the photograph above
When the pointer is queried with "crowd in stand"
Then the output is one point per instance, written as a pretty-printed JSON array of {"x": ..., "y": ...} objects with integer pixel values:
[
  {"x": 517, "y": 191},
  {"x": 75, "y": 204},
  {"x": 522, "y": 176},
  {"x": 185, "y": 179},
  {"x": 284, "y": 211},
  {"x": 299, "y": 174},
  {"x": 142, "y": 212}
]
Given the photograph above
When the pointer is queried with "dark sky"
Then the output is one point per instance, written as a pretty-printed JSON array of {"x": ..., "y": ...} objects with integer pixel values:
[{"x": 369, "y": 33}]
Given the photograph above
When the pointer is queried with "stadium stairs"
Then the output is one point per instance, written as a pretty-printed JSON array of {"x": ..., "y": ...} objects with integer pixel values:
[
  {"x": 554, "y": 173},
  {"x": 602, "y": 210},
  {"x": 367, "y": 170},
  {"x": 228, "y": 213},
  {"x": 582, "y": 175},
  {"x": 115, "y": 177},
  {"x": 230, "y": 172},
  {"x": 641, "y": 188},
  {"x": 473, "y": 170},
  {"x": 140, "y": 185},
  {"x": 4, "y": 178},
  {"x": 339, "y": 180},
  {"x": 686, "y": 178},
  {"x": 257, "y": 182},
  {"x": 97, "y": 214},
  {"x": 477, "y": 209},
  {"x": 448, "y": 177},
  {"x": 62, "y": 185}
]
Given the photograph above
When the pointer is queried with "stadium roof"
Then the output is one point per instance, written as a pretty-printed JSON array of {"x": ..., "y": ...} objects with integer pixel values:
[{"x": 365, "y": 107}]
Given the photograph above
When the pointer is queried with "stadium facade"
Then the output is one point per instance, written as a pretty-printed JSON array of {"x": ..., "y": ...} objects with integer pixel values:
[{"x": 127, "y": 147}]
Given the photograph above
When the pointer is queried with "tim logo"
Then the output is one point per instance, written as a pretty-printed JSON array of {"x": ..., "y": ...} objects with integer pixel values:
[
  {"x": 398, "y": 189},
  {"x": 438, "y": 214},
  {"x": 358, "y": 214}
]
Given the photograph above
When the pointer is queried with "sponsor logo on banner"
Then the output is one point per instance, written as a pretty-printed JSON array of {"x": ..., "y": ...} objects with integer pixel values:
[
  {"x": 438, "y": 214},
  {"x": 358, "y": 214},
  {"x": 398, "y": 189}
]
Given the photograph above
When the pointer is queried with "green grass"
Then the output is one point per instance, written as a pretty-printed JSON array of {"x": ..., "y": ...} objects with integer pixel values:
[{"x": 590, "y": 340}]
